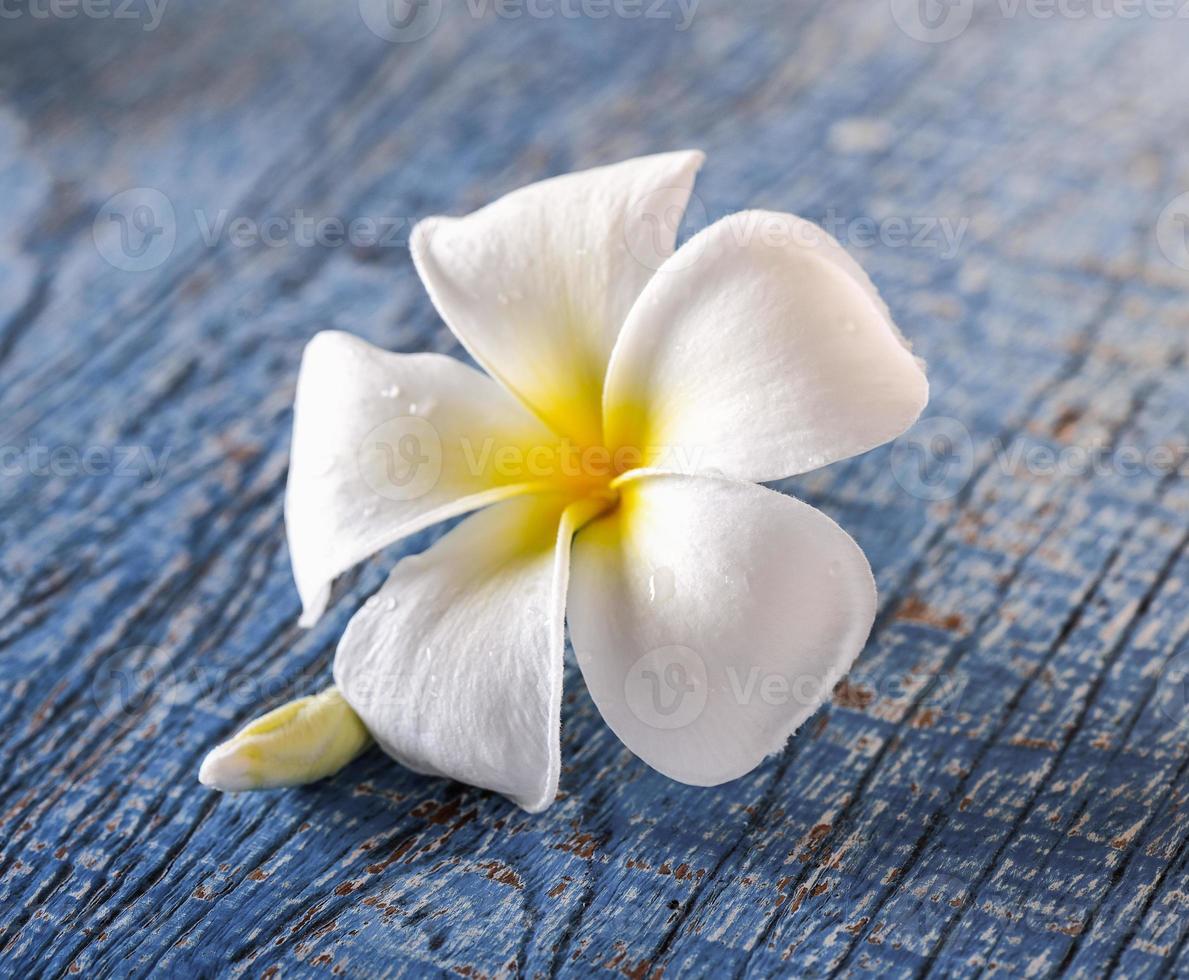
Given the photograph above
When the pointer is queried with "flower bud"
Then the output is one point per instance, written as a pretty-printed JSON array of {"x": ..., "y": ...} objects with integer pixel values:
[{"x": 299, "y": 742}]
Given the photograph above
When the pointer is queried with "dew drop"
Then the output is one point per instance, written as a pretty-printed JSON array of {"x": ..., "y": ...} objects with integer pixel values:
[
  {"x": 412, "y": 408},
  {"x": 661, "y": 584},
  {"x": 389, "y": 604}
]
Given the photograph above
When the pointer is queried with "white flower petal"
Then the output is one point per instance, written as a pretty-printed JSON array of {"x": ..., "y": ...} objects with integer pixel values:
[
  {"x": 537, "y": 284},
  {"x": 455, "y": 665},
  {"x": 761, "y": 350},
  {"x": 711, "y": 618},
  {"x": 386, "y": 444}
]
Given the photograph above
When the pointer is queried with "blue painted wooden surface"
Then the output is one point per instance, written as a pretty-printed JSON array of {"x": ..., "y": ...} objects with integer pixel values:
[{"x": 999, "y": 788}]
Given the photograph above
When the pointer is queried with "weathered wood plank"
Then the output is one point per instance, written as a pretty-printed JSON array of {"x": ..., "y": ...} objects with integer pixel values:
[{"x": 1000, "y": 785}]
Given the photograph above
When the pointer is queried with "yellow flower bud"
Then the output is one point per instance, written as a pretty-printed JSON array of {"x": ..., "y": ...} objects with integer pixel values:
[{"x": 299, "y": 742}]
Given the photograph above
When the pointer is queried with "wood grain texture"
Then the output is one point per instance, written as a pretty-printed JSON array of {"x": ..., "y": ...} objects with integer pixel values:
[{"x": 998, "y": 788}]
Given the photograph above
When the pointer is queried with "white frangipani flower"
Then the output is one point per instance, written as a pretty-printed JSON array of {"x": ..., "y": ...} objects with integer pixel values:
[{"x": 636, "y": 397}]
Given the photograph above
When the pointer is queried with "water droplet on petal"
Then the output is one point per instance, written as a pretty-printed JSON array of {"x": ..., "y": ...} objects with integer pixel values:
[
  {"x": 389, "y": 604},
  {"x": 412, "y": 408},
  {"x": 661, "y": 584}
]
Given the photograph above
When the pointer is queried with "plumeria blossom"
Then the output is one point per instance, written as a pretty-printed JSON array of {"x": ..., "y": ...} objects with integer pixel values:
[{"x": 635, "y": 397}]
